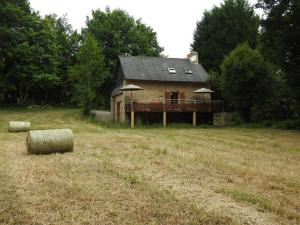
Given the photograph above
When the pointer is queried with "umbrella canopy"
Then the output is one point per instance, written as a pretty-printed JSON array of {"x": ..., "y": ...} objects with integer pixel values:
[
  {"x": 203, "y": 91},
  {"x": 131, "y": 87}
]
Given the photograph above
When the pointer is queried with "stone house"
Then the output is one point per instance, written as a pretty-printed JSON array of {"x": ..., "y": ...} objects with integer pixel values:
[{"x": 168, "y": 91}]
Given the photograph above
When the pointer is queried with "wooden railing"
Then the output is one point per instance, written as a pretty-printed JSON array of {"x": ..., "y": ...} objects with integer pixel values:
[{"x": 175, "y": 105}]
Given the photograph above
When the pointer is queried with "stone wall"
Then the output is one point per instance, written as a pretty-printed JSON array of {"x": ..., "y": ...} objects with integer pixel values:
[
  {"x": 115, "y": 100},
  {"x": 155, "y": 91},
  {"x": 218, "y": 119}
]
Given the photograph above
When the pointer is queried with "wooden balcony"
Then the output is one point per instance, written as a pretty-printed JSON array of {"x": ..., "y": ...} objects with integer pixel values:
[{"x": 175, "y": 105}]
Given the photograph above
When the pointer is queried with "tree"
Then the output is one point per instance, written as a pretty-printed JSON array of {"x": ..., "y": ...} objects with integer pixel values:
[
  {"x": 246, "y": 81},
  {"x": 67, "y": 42},
  {"x": 15, "y": 20},
  {"x": 89, "y": 72},
  {"x": 281, "y": 39},
  {"x": 35, "y": 55},
  {"x": 222, "y": 29},
  {"x": 118, "y": 33},
  {"x": 45, "y": 58}
]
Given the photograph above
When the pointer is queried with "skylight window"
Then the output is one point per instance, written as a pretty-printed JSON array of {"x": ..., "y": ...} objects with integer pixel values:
[
  {"x": 171, "y": 70},
  {"x": 188, "y": 71}
]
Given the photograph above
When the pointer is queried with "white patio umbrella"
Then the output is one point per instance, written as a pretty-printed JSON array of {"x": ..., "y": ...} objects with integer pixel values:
[
  {"x": 131, "y": 87},
  {"x": 203, "y": 91}
]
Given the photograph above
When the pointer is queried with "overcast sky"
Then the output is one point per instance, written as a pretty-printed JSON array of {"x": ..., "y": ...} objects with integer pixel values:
[{"x": 174, "y": 21}]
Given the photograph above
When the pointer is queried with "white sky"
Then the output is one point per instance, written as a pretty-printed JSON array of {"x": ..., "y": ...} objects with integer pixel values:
[{"x": 174, "y": 21}]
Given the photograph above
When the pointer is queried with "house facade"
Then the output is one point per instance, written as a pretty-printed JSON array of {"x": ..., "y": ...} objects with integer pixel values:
[{"x": 167, "y": 94}]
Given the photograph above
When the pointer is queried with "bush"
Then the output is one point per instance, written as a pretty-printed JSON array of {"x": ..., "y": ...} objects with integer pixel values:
[
  {"x": 246, "y": 81},
  {"x": 232, "y": 119},
  {"x": 287, "y": 124}
]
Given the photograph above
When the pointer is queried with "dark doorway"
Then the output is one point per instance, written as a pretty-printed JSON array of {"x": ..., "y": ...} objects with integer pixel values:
[{"x": 174, "y": 97}]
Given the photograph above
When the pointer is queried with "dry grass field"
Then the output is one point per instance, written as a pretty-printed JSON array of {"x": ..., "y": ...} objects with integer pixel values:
[{"x": 149, "y": 175}]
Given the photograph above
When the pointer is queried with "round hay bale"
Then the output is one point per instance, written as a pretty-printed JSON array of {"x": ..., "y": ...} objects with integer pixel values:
[
  {"x": 50, "y": 141},
  {"x": 18, "y": 126}
]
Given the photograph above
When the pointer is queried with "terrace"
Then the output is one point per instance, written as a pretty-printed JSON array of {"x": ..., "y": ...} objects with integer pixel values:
[{"x": 175, "y": 105}]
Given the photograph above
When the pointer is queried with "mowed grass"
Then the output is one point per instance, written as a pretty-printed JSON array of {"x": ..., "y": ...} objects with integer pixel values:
[{"x": 149, "y": 176}]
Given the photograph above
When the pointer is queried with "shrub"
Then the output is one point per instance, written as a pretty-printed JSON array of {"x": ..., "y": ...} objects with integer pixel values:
[{"x": 246, "y": 81}]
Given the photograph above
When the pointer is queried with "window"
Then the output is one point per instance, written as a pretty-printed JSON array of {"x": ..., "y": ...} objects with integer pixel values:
[
  {"x": 188, "y": 71},
  {"x": 171, "y": 70}
]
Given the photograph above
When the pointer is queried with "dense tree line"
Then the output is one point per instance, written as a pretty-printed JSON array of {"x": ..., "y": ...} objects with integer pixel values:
[
  {"x": 35, "y": 54},
  {"x": 44, "y": 61},
  {"x": 253, "y": 62},
  {"x": 280, "y": 43}
]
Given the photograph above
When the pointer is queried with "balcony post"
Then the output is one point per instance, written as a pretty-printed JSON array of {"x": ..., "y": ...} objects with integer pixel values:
[
  {"x": 195, "y": 114},
  {"x": 164, "y": 114},
  {"x": 132, "y": 116},
  {"x": 132, "y": 119}
]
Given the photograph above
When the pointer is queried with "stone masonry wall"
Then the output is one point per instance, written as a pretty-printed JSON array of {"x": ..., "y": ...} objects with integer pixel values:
[
  {"x": 155, "y": 91},
  {"x": 116, "y": 99}
]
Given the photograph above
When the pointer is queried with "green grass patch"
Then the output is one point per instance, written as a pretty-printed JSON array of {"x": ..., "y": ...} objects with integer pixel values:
[
  {"x": 163, "y": 151},
  {"x": 243, "y": 196},
  {"x": 132, "y": 178},
  {"x": 109, "y": 124},
  {"x": 261, "y": 202}
]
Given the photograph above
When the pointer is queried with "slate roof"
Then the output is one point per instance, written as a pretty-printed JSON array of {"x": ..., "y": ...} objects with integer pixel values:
[{"x": 156, "y": 69}]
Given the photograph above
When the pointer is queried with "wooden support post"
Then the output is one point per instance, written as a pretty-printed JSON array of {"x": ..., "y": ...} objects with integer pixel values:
[
  {"x": 132, "y": 119},
  {"x": 164, "y": 118},
  {"x": 194, "y": 118}
]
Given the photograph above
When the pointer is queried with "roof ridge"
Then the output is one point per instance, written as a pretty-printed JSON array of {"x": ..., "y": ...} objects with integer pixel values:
[{"x": 145, "y": 56}]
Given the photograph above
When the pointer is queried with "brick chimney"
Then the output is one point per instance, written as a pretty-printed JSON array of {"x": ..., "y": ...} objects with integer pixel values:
[{"x": 193, "y": 57}]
